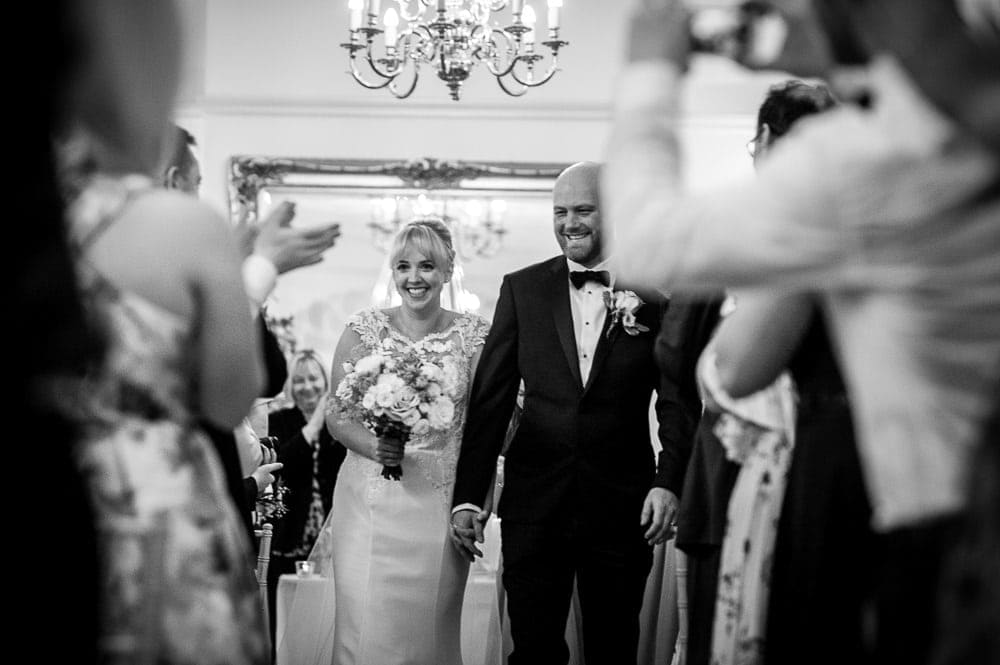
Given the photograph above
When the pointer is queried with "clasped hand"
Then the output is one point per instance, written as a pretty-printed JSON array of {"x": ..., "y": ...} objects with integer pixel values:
[{"x": 467, "y": 532}]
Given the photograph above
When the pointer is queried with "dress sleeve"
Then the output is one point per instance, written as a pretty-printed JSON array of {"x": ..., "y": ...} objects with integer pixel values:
[
  {"x": 473, "y": 330},
  {"x": 368, "y": 324}
]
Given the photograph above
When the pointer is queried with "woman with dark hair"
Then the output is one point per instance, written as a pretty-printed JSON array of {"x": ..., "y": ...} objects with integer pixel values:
[
  {"x": 711, "y": 475},
  {"x": 817, "y": 556}
]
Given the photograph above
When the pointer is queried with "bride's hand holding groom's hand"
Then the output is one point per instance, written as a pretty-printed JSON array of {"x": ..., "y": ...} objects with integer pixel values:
[{"x": 467, "y": 530}]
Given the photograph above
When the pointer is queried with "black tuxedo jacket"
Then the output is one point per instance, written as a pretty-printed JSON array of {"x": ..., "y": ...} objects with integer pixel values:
[{"x": 579, "y": 450}]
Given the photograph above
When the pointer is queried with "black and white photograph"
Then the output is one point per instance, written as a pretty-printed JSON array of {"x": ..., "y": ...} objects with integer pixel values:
[{"x": 505, "y": 332}]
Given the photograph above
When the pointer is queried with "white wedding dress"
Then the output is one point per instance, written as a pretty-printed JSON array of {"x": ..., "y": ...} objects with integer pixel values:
[{"x": 397, "y": 581}]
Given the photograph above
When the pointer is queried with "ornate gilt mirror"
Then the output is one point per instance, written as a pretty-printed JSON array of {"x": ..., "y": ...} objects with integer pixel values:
[{"x": 500, "y": 215}]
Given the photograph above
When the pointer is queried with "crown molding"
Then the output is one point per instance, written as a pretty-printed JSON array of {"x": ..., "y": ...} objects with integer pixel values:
[{"x": 219, "y": 107}]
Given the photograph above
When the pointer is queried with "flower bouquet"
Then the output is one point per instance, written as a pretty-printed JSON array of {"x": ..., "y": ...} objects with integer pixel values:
[
  {"x": 271, "y": 505},
  {"x": 399, "y": 394}
]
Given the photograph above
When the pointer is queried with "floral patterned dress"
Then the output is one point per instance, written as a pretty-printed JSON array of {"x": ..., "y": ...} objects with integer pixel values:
[
  {"x": 397, "y": 580},
  {"x": 177, "y": 581}
]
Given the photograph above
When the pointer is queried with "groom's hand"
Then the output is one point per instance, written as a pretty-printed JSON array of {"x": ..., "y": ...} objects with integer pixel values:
[
  {"x": 467, "y": 530},
  {"x": 658, "y": 513}
]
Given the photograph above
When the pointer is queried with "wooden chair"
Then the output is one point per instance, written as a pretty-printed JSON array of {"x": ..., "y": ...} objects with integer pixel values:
[
  {"x": 263, "y": 536},
  {"x": 680, "y": 650}
]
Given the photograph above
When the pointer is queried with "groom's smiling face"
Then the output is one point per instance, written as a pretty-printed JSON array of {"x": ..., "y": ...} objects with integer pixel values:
[{"x": 576, "y": 214}]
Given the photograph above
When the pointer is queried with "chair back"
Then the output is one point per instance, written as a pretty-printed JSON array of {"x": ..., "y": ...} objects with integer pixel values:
[
  {"x": 264, "y": 535},
  {"x": 680, "y": 649}
]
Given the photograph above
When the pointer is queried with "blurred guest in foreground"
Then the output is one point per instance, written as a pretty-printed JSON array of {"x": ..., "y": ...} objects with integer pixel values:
[
  {"x": 272, "y": 247},
  {"x": 970, "y": 602},
  {"x": 712, "y": 473},
  {"x": 161, "y": 275},
  {"x": 887, "y": 209},
  {"x": 50, "y": 337}
]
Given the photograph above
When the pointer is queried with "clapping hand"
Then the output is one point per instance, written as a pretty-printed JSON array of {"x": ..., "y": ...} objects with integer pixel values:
[
  {"x": 467, "y": 531},
  {"x": 317, "y": 421},
  {"x": 286, "y": 247}
]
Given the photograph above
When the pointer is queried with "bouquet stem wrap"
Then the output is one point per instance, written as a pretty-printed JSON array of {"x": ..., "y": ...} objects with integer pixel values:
[{"x": 392, "y": 430}]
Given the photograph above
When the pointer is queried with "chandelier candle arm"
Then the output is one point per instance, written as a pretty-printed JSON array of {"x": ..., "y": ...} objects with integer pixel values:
[{"x": 459, "y": 35}]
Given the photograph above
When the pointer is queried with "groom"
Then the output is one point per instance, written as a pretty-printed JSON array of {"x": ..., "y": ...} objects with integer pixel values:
[{"x": 583, "y": 498}]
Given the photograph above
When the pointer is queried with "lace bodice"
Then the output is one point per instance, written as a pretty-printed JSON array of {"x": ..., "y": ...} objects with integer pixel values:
[{"x": 434, "y": 454}]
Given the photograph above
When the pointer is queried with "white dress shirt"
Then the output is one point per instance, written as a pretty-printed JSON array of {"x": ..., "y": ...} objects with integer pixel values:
[
  {"x": 863, "y": 207},
  {"x": 589, "y": 311}
]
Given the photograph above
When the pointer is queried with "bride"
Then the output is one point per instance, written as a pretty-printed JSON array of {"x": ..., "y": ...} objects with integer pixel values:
[{"x": 397, "y": 580}]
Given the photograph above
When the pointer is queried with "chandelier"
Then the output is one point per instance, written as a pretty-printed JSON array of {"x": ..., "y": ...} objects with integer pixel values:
[
  {"x": 476, "y": 224},
  {"x": 454, "y": 37}
]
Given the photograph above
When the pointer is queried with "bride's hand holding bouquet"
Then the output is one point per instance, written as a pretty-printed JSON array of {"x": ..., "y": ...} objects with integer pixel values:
[{"x": 396, "y": 396}]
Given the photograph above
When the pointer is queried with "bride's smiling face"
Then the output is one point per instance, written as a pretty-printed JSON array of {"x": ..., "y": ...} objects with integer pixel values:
[{"x": 418, "y": 278}]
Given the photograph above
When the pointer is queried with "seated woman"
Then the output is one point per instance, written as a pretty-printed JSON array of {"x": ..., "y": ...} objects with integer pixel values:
[{"x": 311, "y": 460}]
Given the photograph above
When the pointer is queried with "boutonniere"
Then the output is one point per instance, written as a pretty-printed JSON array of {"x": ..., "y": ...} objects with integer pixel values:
[{"x": 622, "y": 306}]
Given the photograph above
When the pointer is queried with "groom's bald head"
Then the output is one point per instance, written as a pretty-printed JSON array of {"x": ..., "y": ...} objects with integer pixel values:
[{"x": 576, "y": 213}]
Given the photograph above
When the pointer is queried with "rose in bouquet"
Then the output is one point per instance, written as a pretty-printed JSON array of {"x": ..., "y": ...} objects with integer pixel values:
[{"x": 398, "y": 395}]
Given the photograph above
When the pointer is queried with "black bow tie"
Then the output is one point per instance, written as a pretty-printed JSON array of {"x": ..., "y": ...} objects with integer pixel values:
[{"x": 580, "y": 277}]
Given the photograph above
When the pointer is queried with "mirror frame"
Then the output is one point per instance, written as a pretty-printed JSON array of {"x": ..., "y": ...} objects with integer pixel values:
[{"x": 250, "y": 174}]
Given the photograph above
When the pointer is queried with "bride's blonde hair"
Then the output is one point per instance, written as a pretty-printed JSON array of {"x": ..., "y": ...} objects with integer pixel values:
[{"x": 431, "y": 237}]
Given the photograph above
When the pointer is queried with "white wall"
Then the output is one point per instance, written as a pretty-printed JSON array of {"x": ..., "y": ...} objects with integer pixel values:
[{"x": 266, "y": 77}]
